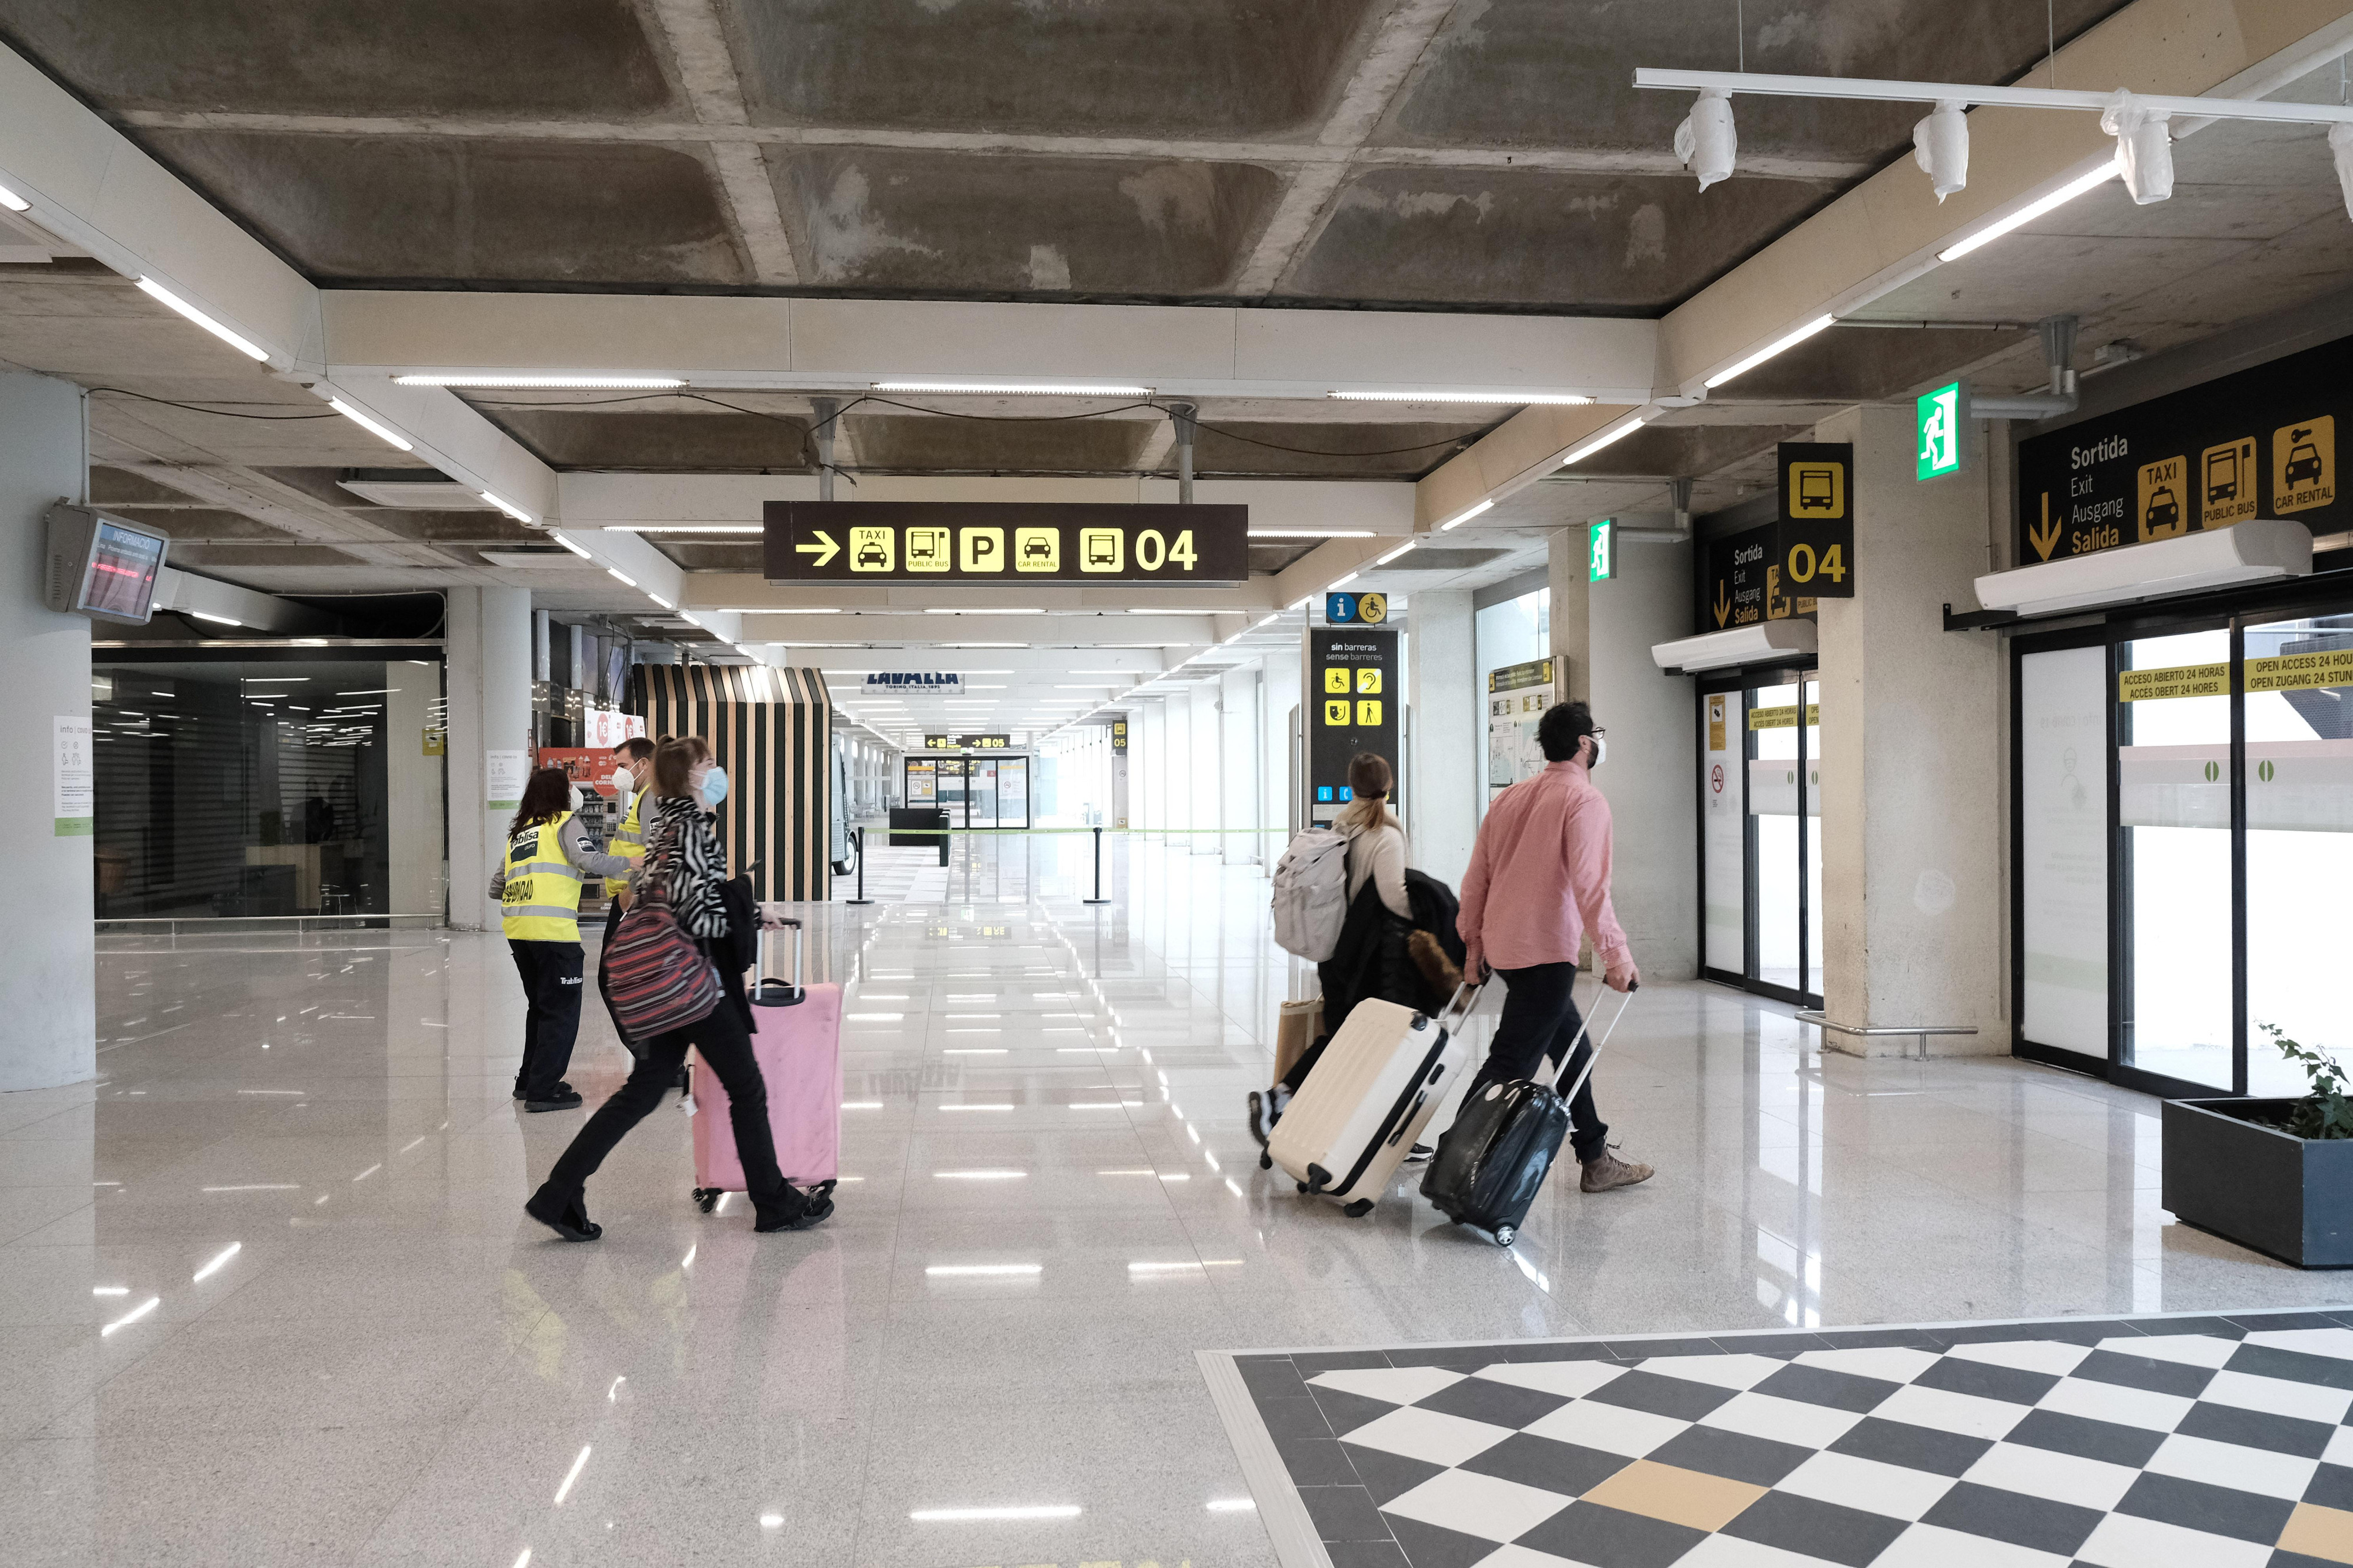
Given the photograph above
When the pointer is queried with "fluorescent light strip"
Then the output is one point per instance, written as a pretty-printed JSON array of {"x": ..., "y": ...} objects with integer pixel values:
[
  {"x": 1578, "y": 454},
  {"x": 780, "y": 610},
  {"x": 946, "y": 610},
  {"x": 624, "y": 577},
  {"x": 1460, "y": 518},
  {"x": 481, "y": 378},
  {"x": 1310, "y": 534},
  {"x": 1034, "y": 389},
  {"x": 155, "y": 290},
  {"x": 1384, "y": 561},
  {"x": 2032, "y": 210},
  {"x": 520, "y": 515},
  {"x": 1337, "y": 582},
  {"x": 371, "y": 426},
  {"x": 217, "y": 620},
  {"x": 1781, "y": 345},
  {"x": 1429, "y": 395},
  {"x": 12, "y": 202},
  {"x": 686, "y": 527}
]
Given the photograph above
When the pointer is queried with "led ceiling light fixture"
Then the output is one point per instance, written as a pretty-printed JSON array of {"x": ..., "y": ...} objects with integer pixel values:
[
  {"x": 1578, "y": 454},
  {"x": 1761, "y": 356},
  {"x": 2140, "y": 122},
  {"x": 565, "y": 539},
  {"x": 520, "y": 515},
  {"x": 1460, "y": 518},
  {"x": 1014, "y": 389},
  {"x": 155, "y": 290},
  {"x": 526, "y": 383},
  {"x": 12, "y": 202},
  {"x": 368, "y": 424},
  {"x": 1393, "y": 555},
  {"x": 2031, "y": 211},
  {"x": 1431, "y": 394}
]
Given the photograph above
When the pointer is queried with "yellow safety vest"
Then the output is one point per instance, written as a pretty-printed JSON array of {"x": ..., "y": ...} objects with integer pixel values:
[
  {"x": 541, "y": 898},
  {"x": 629, "y": 843}
]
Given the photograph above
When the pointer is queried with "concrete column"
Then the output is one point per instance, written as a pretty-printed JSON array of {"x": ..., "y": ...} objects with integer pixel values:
[
  {"x": 489, "y": 648},
  {"x": 1572, "y": 630},
  {"x": 49, "y": 983},
  {"x": 413, "y": 794},
  {"x": 1649, "y": 779},
  {"x": 1911, "y": 760},
  {"x": 1239, "y": 762},
  {"x": 1441, "y": 796},
  {"x": 1203, "y": 804},
  {"x": 1149, "y": 743},
  {"x": 1279, "y": 807}
]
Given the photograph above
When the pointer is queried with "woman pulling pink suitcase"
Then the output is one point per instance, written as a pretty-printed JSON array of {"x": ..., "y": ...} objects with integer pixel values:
[{"x": 670, "y": 995}]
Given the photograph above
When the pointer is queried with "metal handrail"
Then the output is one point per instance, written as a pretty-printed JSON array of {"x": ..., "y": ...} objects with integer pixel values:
[{"x": 1822, "y": 1021}]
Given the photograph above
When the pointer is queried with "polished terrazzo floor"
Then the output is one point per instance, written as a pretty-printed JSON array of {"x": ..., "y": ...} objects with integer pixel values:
[{"x": 266, "y": 1294}]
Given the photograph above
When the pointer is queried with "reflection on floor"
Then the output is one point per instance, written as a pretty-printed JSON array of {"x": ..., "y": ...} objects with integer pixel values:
[
  {"x": 265, "y": 1293},
  {"x": 2179, "y": 1439}
]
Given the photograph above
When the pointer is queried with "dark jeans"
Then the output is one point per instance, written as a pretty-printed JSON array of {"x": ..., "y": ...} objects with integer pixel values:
[
  {"x": 726, "y": 1046},
  {"x": 604, "y": 985},
  {"x": 551, "y": 987},
  {"x": 1540, "y": 1019}
]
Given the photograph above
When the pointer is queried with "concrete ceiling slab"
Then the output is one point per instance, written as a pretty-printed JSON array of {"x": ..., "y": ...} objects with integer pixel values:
[
  {"x": 1201, "y": 67},
  {"x": 1270, "y": 447},
  {"x": 211, "y": 524},
  {"x": 1615, "y": 244},
  {"x": 1863, "y": 365},
  {"x": 390, "y": 207},
  {"x": 1683, "y": 450},
  {"x": 415, "y": 57},
  {"x": 870, "y": 217},
  {"x": 913, "y": 443},
  {"x": 707, "y": 441}
]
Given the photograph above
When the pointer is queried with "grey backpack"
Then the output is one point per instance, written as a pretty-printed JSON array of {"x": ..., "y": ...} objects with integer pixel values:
[{"x": 1311, "y": 893}]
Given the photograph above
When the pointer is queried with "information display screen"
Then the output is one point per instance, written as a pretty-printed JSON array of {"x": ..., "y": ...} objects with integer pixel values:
[
  {"x": 118, "y": 578},
  {"x": 1352, "y": 706}
]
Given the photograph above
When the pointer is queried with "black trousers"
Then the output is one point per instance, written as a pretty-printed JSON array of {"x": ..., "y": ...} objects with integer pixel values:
[
  {"x": 604, "y": 984},
  {"x": 1540, "y": 1018},
  {"x": 726, "y": 1046},
  {"x": 551, "y": 988}
]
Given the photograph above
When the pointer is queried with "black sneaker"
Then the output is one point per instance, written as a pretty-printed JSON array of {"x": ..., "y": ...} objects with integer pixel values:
[
  {"x": 567, "y": 1100},
  {"x": 521, "y": 1094},
  {"x": 797, "y": 1210},
  {"x": 1262, "y": 1120},
  {"x": 569, "y": 1221},
  {"x": 1419, "y": 1154}
]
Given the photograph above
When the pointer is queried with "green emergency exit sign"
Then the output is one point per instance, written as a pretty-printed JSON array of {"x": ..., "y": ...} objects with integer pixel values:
[
  {"x": 1602, "y": 550},
  {"x": 1938, "y": 447}
]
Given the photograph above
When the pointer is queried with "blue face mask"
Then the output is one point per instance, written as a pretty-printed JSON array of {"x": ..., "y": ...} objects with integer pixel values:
[{"x": 715, "y": 786}]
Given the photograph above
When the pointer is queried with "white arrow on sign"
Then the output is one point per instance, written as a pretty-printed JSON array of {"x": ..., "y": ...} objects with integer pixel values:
[{"x": 825, "y": 550}]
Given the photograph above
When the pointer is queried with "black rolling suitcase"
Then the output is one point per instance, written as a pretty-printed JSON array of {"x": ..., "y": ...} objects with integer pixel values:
[{"x": 1491, "y": 1163}]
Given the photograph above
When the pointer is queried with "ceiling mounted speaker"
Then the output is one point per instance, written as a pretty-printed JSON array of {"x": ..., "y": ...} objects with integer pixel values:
[
  {"x": 2144, "y": 147},
  {"x": 1707, "y": 140},
  {"x": 1941, "y": 143}
]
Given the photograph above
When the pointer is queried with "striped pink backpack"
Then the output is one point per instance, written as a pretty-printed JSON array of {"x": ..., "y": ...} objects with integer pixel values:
[{"x": 658, "y": 979}]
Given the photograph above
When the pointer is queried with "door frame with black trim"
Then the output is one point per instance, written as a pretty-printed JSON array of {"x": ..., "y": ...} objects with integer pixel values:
[{"x": 1750, "y": 977}]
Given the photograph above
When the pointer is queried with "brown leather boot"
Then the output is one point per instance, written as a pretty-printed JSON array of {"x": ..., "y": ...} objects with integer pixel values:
[{"x": 1609, "y": 1171}]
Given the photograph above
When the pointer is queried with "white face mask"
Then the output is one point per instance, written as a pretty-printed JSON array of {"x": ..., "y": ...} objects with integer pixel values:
[
  {"x": 578, "y": 800},
  {"x": 623, "y": 782},
  {"x": 1600, "y": 752}
]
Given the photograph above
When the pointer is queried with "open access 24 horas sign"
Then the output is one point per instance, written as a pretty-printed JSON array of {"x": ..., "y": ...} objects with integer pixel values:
[{"x": 1004, "y": 542}]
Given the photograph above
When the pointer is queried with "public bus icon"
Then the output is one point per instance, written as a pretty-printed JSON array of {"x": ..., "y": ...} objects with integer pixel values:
[
  {"x": 2223, "y": 476},
  {"x": 1103, "y": 548},
  {"x": 1817, "y": 490}
]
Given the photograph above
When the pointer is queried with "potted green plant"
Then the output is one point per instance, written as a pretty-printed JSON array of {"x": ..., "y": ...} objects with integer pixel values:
[{"x": 2273, "y": 1175}]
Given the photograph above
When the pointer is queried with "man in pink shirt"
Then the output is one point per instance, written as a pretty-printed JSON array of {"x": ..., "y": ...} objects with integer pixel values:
[{"x": 1538, "y": 884}]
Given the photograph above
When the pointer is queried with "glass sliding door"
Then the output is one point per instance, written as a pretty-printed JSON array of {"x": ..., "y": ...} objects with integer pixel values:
[
  {"x": 2062, "y": 825},
  {"x": 1760, "y": 847},
  {"x": 2174, "y": 856},
  {"x": 2300, "y": 843},
  {"x": 1724, "y": 832},
  {"x": 1778, "y": 909}
]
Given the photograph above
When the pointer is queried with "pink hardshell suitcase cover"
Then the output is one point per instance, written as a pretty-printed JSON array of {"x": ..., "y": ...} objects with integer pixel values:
[{"x": 799, "y": 1052}]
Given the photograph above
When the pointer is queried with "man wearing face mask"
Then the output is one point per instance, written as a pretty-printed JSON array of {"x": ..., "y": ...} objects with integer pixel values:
[
  {"x": 538, "y": 888},
  {"x": 1537, "y": 887},
  {"x": 633, "y": 769}
]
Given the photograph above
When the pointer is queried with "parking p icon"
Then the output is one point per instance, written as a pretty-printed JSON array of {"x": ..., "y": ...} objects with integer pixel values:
[{"x": 981, "y": 549}]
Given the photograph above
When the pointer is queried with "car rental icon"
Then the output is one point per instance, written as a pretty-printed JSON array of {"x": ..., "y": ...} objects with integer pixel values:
[
  {"x": 1037, "y": 549},
  {"x": 2303, "y": 460}
]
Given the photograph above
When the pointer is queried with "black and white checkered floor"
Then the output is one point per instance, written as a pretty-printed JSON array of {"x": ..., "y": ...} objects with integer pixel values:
[{"x": 2206, "y": 1442}]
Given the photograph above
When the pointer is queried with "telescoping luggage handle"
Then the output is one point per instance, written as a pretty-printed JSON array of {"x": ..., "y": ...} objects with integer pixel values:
[
  {"x": 1596, "y": 1053},
  {"x": 768, "y": 991}
]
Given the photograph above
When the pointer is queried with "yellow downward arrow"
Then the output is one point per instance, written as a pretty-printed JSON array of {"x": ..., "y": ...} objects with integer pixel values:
[
  {"x": 825, "y": 550},
  {"x": 1723, "y": 604}
]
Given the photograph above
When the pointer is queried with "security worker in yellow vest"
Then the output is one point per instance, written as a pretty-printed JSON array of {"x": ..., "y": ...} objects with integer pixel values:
[
  {"x": 633, "y": 772},
  {"x": 538, "y": 888}
]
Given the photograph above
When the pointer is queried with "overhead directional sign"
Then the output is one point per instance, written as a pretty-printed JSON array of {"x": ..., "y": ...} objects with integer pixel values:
[
  {"x": 1004, "y": 542},
  {"x": 1814, "y": 542},
  {"x": 967, "y": 742}
]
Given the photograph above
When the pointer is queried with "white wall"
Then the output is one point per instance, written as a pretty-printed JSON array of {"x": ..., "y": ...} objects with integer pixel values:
[
  {"x": 489, "y": 652},
  {"x": 1238, "y": 764},
  {"x": 413, "y": 791},
  {"x": 1282, "y": 666},
  {"x": 48, "y": 982},
  {"x": 1204, "y": 802},
  {"x": 1449, "y": 716}
]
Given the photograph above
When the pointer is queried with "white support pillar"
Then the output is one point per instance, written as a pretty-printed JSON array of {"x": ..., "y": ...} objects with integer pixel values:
[
  {"x": 1912, "y": 769},
  {"x": 1572, "y": 629},
  {"x": 1441, "y": 796},
  {"x": 1648, "y": 779},
  {"x": 488, "y": 649},
  {"x": 49, "y": 985},
  {"x": 1203, "y": 804},
  {"x": 1277, "y": 809},
  {"x": 1239, "y": 764}
]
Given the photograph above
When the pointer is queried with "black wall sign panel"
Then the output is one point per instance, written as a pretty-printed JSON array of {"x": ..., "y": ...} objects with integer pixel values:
[{"x": 1004, "y": 542}]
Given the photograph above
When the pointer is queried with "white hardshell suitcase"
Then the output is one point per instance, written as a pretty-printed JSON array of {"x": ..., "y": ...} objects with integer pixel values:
[{"x": 1385, "y": 1074}]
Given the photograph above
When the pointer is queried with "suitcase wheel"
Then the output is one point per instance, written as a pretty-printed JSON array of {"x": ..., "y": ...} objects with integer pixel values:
[
  {"x": 1504, "y": 1235},
  {"x": 1358, "y": 1209},
  {"x": 1303, "y": 1186},
  {"x": 706, "y": 1198},
  {"x": 1265, "y": 1160}
]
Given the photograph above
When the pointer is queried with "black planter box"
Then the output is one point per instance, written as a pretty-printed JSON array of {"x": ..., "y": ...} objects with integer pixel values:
[{"x": 2291, "y": 1197}]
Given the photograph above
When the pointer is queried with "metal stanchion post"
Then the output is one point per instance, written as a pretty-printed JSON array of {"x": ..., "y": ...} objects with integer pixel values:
[
  {"x": 1099, "y": 897},
  {"x": 862, "y": 897}
]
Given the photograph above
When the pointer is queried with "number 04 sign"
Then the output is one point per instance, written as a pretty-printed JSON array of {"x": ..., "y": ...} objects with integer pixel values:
[{"x": 1814, "y": 538}]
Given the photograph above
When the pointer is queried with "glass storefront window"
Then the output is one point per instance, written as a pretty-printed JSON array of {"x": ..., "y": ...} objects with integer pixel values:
[
  {"x": 2173, "y": 760},
  {"x": 2062, "y": 820},
  {"x": 1773, "y": 798},
  {"x": 1723, "y": 829},
  {"x": 244, "y": 789},
  {"x": 2299, "y": 792}
]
